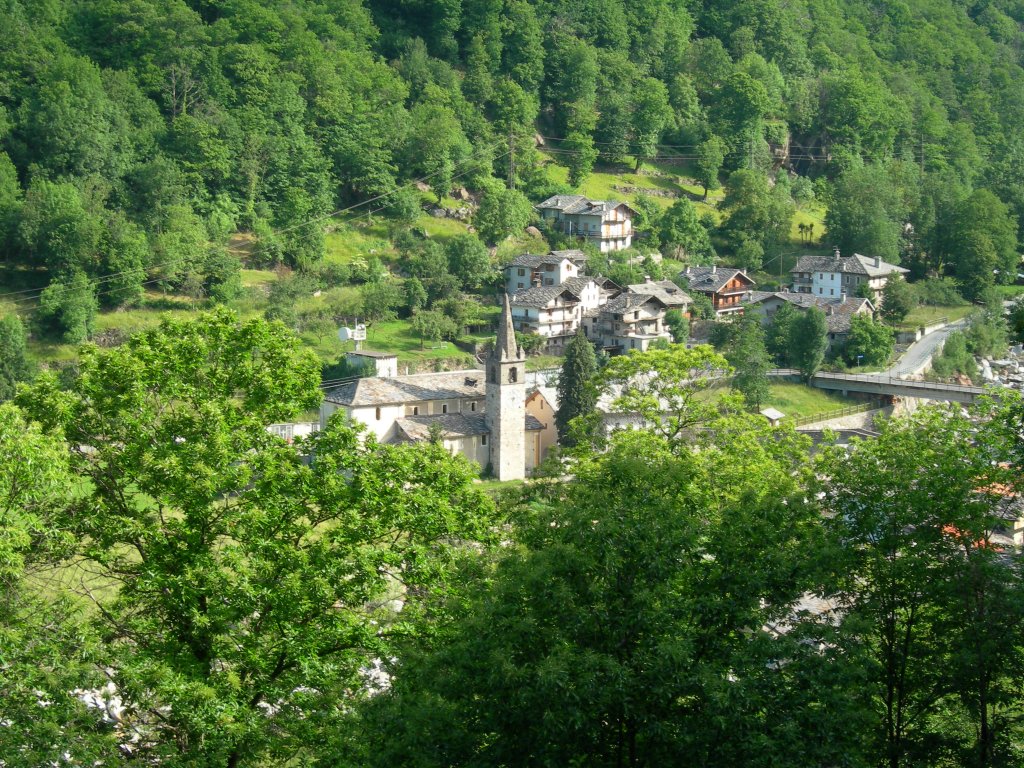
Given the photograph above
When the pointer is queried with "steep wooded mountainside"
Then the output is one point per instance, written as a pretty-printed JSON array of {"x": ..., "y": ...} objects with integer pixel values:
[{"x": 133, "y": 135}]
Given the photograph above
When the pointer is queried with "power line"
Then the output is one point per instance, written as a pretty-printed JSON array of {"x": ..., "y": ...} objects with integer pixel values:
[{"x": 97, "y": 281}]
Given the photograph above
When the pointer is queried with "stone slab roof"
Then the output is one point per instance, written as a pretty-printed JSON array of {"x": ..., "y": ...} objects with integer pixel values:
[
  {"x": 669, "y": 293},
  {"x": 373, "y": 354},
  {"x": 850, "y": 265},
  {"x": 712, "y": 279},
  {"x": 453, "y": 425},
  {"x": 580, "y": 204},
  {"x": 542, "y": 295},
  {"x": 532, "y": 260},
  {"x": 573, "y": 254},
  {"x": 838, "y": 313},
  {"x": 418, "y": 387},
  {"x": 627, "y": 301}
]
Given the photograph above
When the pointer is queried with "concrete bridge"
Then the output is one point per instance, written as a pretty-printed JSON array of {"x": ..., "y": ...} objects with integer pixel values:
[{"x": 886, "y": 384}]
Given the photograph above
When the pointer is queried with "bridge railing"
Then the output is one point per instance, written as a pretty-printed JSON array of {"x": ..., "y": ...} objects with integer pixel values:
[{"x": 836, "y": 413}]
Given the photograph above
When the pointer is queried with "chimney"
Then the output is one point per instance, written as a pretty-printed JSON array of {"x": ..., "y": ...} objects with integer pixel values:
[
  {"x": 878, "y": 261},
  {"x": 842, "y": 297},
  {"x": 714, "y": 269},
  {"x": 830, "y": 310},
  {"x": 835, "y": 251},
  {"x": 647, "y": 278},
  {"x": 687, "y": 269}
]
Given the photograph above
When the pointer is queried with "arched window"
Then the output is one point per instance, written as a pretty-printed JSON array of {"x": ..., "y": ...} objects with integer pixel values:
[
  {"x": 378, "y": 413},
  {"x": 513, "y": 375}
]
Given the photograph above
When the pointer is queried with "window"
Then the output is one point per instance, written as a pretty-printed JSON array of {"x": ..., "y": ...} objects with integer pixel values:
[
  {"x": 522, "y": 273},
  {"x": 472, "y": 406},
  {"x": 444, "y": 407},
  {"x": 483, "y": 439},
  {"x": 820, "y": 289},
  {"x": 513, "y": 375},
  {"x": 378, "y": 413},
  {"x": 831, "y": 291},
  {"x": 415, "y": 410}
]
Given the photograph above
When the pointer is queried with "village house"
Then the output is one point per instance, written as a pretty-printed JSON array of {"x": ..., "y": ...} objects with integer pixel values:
[
  {"x": 839, "y": 312},
  {"x": 671, "y": 295},
  {"x": 725, "y": 286},
  {"x": 530, "y": 271},
  {"x": 629, "y": 321},
  {"x": 482, "y": 415},
  {"x": 556, "y": 312},
  {"x": 607, "y": 225},
  {"x": 831, "y": 276}
]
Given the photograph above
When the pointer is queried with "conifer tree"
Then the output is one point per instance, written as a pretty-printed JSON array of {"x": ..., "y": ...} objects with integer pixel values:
[{"x": 576, "y": 393}]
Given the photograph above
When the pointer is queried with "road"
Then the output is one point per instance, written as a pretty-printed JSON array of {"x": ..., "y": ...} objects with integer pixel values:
[{"x": 920, "y": 352}]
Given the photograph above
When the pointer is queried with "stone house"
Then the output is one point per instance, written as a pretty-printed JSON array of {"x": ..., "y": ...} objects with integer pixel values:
[
  {"x": 530, "y": 271},
  {"x": 607, "y": 225},
  {"x": 725, "y": 286},
  {"x": 629, "y": 321},
  {"x": 556, "y": 312},
  {"x": 839, "y": 312},
  {"x": 831, "y": 276}
]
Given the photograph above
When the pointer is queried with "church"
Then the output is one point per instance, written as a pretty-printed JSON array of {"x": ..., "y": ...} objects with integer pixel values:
[{"x": 484, "y": 415}]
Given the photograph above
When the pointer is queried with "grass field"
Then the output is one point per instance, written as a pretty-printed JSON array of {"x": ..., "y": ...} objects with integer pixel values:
[
  {"x": 797, "y": 400},
  {"x": 926, "y": 315}
]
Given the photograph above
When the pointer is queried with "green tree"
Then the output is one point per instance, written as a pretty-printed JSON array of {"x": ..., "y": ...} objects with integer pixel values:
[
  {"x": 868, "y": 342},
  {"x": 415, "y": 295},
  {"x": 681, "y": 232},
  {"x": 56, "y": 229},
  {"x": 748, "y": 356},
  {"x": 49, "y": 649},
  {"x": 866, "y": 213},
  {"x": 954, "y": 358},
  {"x": 710, "y": 156},
  {"x": 250, "y": 577},
  {"x": 912, "y": 571},
  {"x": 980, "y": 241},
  {"x": 577, "y": 393},
  {"x": 808, "y": 339},
  {"x": 678, "y": 325},
  {"x": 624, "y": 622},
  {"x": 778, "y": 334},
  {"x": 502, "y": 212},
  {"x": 583, "y": 155},
  {"x": 67, "y": 310},
  {"x": 433, "y": 325},
  {"x": 14, "y": 364},
  {"x": 665, "y": 387},
  {"x": 756, "y": 212},
  {"x": 469, "y": 260},
  {"x": 651, "y": 115},
  {"x": 897, "y": 300}
]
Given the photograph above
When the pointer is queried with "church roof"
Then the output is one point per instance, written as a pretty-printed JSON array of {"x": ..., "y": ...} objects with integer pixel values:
[
  {"x": 453, "y": 425},
  {"x": 507, "y": 348},
  {"x": 375, "y": 390}
]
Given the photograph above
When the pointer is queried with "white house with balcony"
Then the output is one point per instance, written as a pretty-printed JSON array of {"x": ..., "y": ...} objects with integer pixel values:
[
  {"x": 829, "y": 277},
  {"x": 528, "y": 271},
  {"x": 556, "y": 312},
  {"x": 607, "y": 225},
  {"x": 629, "y": 321}
]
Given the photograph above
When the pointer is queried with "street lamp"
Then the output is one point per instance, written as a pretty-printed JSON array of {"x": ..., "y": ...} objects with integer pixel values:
[{"x": 859, "y": 358}]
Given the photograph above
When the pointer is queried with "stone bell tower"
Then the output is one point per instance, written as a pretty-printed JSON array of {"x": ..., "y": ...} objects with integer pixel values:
[{"x": 506, "y": 401}]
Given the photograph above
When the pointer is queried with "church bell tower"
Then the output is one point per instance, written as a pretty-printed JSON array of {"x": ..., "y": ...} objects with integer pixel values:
[{"x": 506, "y": 401}]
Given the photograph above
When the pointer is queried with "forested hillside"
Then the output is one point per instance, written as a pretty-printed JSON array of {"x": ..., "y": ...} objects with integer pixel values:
[{"x": 137, "y": 136}]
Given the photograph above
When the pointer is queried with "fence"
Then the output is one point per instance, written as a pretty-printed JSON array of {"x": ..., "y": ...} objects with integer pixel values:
[{"x": 838, "y": 413}]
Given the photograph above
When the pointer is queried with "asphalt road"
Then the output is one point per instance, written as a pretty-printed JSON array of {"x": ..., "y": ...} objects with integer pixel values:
[{"x": 920, "y": 352}]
